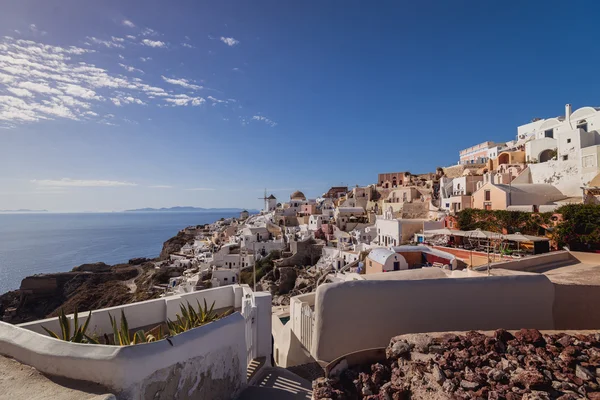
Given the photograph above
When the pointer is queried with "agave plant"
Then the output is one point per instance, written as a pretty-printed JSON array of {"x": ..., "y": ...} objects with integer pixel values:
[
  {"x": 79, "y": 332},
  {"x": 189, "y": 318},
  {"x": 123, "y": 337}
]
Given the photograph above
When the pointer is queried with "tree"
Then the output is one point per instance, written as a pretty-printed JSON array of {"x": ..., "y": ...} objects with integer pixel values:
[{"x": 580, "y": 228}]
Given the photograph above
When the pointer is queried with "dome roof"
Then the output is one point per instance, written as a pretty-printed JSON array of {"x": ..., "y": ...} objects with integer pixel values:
[{"x": 298, "y": 195}]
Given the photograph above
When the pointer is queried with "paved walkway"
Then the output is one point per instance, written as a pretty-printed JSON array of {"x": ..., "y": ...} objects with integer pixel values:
[
  {"x": 22, "y": 382},
  {"x": 278, "y": 383}
]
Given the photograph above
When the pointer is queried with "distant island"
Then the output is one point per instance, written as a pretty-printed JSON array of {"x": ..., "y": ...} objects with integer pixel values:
[
  {"x": 23, "y": 210},
  {"x": 191, "y": 209}
]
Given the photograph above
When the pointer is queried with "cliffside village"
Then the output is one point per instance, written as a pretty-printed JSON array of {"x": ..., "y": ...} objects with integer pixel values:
[
  {"x": 403, "y": 221},
  {"x": 319, "y": 290}
]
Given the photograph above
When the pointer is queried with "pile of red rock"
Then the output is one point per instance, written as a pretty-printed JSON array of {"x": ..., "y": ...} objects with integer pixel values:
[{"x": 526, "y": 365}]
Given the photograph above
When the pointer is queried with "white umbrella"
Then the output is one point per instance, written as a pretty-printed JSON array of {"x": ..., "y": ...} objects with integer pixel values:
[
  {"x": 443, "y": 231},
  {"x": 519, "y": 237},
  {"x": 480, "y": 234}
]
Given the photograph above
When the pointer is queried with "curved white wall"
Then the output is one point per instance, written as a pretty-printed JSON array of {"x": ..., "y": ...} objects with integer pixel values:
[
  {"x": 199, "y": 361},
  {"x": 356, "y": 315}
]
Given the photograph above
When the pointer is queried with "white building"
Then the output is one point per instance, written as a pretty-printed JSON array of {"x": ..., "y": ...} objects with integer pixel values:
[
  {"x": 455, "y": 193},
  {"x": 315, "y": 221},
  {"x": 270, "y": 203},
  {"x": 327, "y": 208},
  {"x": 564, "y": 151},
  {"x": 223, "y": 277},
  {"x": 349, "y": 215},
  {"x": 384, "y": 260},
  {"x": 253, "y": 234},
  {"x": 394, "y": 232}
]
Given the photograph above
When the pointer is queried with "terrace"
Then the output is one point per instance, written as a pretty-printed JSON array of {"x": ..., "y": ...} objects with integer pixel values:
[{"x": 209, "y": 361}]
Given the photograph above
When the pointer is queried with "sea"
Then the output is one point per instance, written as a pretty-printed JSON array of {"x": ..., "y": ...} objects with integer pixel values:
[{"x": 47, "y": 242}]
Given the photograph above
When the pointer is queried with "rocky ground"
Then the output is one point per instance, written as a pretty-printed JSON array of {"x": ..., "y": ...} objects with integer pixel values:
[
  {"x": 526, "y": 366},
  {"x": 286, "y": 282}
]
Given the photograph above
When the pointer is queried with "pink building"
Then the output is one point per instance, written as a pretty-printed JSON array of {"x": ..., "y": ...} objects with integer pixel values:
[{"x": 308, "y": 209}]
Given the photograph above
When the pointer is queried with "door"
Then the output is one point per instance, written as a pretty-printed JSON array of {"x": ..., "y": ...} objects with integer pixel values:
[{"x": 396, "y": 265}]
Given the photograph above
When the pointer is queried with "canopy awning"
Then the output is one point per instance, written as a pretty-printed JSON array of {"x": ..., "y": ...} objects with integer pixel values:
[
  {"x": 442, "y": 231},
  {"x": 519, "y": 237},
  {"x": 480, "y": 234}
]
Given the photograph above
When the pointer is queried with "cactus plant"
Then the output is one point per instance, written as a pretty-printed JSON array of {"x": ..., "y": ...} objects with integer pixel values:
[
  {"x": 123, "y": 337},
  {"x": 78, "y": 335},
  {"x": 189, "y": 318}
]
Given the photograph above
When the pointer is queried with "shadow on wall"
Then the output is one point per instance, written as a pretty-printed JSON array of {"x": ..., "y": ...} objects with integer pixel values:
[{"x": 576, "y": 306}]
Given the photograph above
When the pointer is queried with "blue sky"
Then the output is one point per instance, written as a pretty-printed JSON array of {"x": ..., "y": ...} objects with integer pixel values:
[{"x": 111, "y": 105}]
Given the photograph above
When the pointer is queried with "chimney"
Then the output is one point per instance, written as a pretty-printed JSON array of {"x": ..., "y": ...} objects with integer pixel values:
[{"x": 568, "y": 112}]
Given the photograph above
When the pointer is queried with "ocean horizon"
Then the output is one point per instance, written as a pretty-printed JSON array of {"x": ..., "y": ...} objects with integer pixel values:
[{"x": 34, "y": 243}]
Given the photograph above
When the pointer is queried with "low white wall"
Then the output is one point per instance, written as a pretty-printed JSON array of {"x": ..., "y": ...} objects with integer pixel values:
[
  {"x": 532, "y": 262},
  {"x": 296, "y": 309},
  {"x": 145, "y": 313},
  {"x": 263, "y": 320},
  {"x": 205, "y": 362},
  {"x": 356, "y": 315},
  {"x": 288, "y": 350},
  {"x": 139, "y": 314}
]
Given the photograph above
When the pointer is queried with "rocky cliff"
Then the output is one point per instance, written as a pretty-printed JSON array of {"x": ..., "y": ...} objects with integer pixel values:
[{"x": 175, "y": 244}]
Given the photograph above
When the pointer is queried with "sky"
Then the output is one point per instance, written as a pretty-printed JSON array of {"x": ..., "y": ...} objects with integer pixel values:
[{"x": 111, "y": 105}]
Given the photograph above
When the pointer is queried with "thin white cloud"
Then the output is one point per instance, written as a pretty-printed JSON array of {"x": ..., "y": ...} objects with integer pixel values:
[
  {"x": 229, "y": 41},
  {"x": 67, "y": 182},
  {"x": 161, "y": 186},
  {"x": 200, "y": 189},
  {"x": 264, "y": 119},
  {"x": 184, "y": 100},
  {"x": 149, "y": 32},
  {"x": 145, "y": 59},
  {"x": 153, "y": 43},
  {"x": 189, "y": 46},
  {"x": 181, "y": 82},
  {"x": 128, "y": 23},
  {"x": 131, "y": 37},
  {"x": 20, "y": 92},
  {"x": 39, "y": 87},
  {"x": 130, "y": 68},
  {"x": 117, "y": 39},
  {"x": 106, "y": 43},
  {"x": 42, "y": 82},
  {"x": 216, "y": 101},
  {"x": 34, "y": 29}
]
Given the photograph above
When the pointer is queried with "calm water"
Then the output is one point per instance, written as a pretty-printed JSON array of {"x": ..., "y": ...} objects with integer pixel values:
[{"x": 37, "y": 243}]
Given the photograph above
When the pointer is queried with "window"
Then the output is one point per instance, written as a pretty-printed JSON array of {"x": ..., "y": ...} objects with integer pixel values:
[
  {"x": 565, "y": 158},
  {"x": 568, "y": 140},
  {"x": 582, "y": 125},
  {"x": 549, "y": 133},
  {"x": 588, "y": 161},
  {"x": 233, "y": 279},
  {"x": 488, "y": 195},
  {"x": 225, "y": 279}
]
